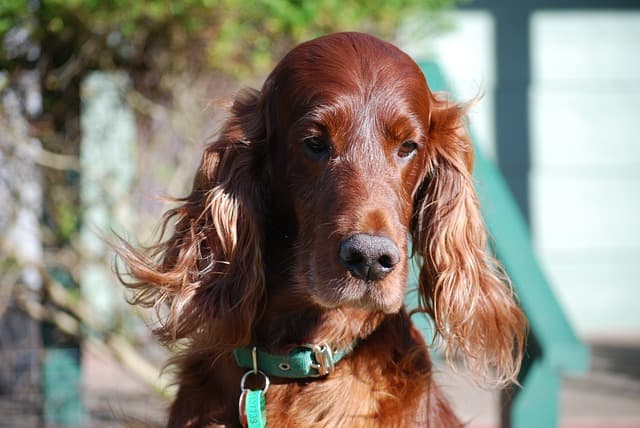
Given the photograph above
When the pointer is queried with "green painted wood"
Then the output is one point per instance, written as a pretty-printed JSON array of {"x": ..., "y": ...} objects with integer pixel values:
[
  {"x": 536, "y": 404},
  {"x": 554, "y": 348},
  {"x": 61, "y": 370},
  {"x": 63, "y": 404}
]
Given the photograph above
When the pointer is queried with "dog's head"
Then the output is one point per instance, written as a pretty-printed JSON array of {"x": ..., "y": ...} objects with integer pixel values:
[
  {"x": 349, "y": 120},
  {"x": 316, "y": 186}
]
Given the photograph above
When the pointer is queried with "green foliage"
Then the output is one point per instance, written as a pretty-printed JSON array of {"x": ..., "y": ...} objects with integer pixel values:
[
  {"x": 238, "y": 37},
  {"x": 67, "y": 219},
  {"x": 254, "y": 33}
]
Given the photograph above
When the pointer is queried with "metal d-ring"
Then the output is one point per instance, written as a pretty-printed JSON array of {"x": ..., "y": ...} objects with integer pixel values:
[
  {"x": 258, "y": 372},
  {"x": 324, "y": 363}
]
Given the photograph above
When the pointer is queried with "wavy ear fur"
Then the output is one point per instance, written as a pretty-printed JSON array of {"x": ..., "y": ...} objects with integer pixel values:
[
  {"x": 462, "y": 287},
  {"x": 206, "y": 280}
]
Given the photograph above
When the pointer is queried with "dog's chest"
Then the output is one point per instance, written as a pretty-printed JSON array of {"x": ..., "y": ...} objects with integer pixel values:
[
  {"x": 332, "y": 403},
  {"x": 345, "y": 400}
]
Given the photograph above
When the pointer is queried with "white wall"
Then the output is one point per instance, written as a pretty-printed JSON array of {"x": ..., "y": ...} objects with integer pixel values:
[{"x": 585, "y": 152}]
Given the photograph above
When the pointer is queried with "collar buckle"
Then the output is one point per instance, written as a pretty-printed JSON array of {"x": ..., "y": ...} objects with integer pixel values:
[{"x": 324, "y": 363}]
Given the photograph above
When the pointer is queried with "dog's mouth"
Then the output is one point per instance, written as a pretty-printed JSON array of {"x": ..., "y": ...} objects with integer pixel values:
[
  {"x": 346, "y": 291},
  {"x": 374, "y": 299}
]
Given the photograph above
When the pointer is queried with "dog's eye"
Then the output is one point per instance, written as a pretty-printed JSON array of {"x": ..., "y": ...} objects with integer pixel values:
[
  {"x": 316, "y": 147},
  {"x": 407, "y": 149}
]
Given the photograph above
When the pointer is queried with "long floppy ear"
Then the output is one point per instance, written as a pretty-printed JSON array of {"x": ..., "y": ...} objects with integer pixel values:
[
  {"x": 462, "y": 287},
  {"x": 206, "y": 280}
]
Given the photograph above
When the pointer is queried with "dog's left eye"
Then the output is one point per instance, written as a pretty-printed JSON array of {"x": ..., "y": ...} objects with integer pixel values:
[
  {"x": 407, "y": 149},
  {"x": 316, "y": 147}
]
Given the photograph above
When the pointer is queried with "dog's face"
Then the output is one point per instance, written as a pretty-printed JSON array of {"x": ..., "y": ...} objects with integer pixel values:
[{"x": 349, "y": 148}]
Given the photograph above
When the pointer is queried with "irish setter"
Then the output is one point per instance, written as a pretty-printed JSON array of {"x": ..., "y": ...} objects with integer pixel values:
[{"x": 296, "y": 242}]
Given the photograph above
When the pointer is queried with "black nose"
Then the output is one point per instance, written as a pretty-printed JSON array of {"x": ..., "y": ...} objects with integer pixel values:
[{"x": 369, "y": 257}]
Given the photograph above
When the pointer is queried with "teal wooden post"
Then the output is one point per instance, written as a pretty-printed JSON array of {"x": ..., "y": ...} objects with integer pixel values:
[
  {"x": 537, "y": 403},
  {"x": 62, "y": 376},
  {"x": 553, "y": 348},
  {"x": 62, "y": 372}
]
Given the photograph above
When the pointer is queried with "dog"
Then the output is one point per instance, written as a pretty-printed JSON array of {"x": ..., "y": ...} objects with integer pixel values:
[{"x": 283, "y": 279}]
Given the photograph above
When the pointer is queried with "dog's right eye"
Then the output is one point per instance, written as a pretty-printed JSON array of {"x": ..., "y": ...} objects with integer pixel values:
[
  {"x": 407, "y": 149},
  {"x": 316, "y": 147}
]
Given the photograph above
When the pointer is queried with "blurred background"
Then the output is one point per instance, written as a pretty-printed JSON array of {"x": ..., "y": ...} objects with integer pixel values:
[{"x": 105, "y": 107}]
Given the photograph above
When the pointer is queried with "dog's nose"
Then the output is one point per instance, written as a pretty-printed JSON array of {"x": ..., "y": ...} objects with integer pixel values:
[{"x": 369, "y": 257}]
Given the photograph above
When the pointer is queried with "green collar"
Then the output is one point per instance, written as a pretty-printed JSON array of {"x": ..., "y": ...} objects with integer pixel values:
[{"x": 302, "y": 362}]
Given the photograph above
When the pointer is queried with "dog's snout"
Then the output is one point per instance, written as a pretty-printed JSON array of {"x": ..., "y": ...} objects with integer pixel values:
[{"x": 369, "y": 257}]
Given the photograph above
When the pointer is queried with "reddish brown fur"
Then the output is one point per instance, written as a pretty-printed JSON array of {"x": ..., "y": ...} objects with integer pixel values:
[{"x": 253, "y": 258}]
